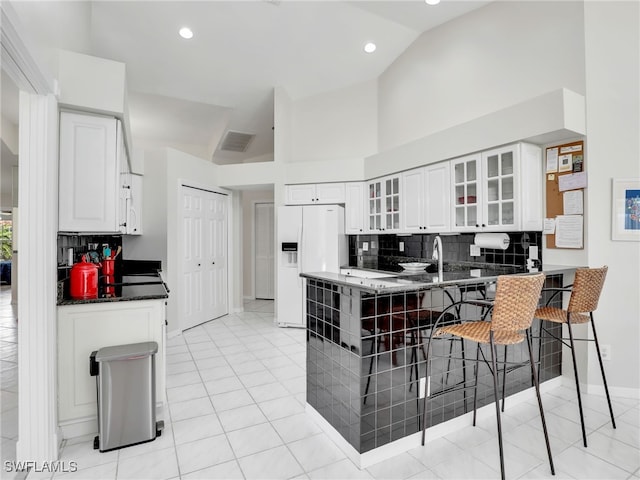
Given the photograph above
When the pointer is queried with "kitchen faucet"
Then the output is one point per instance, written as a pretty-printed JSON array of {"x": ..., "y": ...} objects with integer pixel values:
[{"x": 438, "y": 254}]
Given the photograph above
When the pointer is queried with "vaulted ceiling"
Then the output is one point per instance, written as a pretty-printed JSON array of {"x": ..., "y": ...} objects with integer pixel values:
[{"x": 188, "y": 94}]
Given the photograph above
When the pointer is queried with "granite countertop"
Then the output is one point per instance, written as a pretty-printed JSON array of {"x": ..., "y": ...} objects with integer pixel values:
[
  {"x": 454, "y": 274},
  {"x": 147, "y": 286}
]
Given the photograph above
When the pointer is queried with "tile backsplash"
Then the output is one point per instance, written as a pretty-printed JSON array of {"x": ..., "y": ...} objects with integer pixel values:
[{"x": 386, "y": 251}]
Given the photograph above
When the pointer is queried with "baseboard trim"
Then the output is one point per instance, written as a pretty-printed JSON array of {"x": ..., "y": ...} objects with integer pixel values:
[
  {"x": 80, "y": 427},
  {"x": 380, "y": 454}
]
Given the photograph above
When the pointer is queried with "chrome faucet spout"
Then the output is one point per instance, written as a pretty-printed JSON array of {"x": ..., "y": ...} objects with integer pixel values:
[{"x": 438, "y": 254}]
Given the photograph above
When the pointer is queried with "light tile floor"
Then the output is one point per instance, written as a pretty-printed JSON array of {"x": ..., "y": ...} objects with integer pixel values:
[{"x": 236, "y": 392}]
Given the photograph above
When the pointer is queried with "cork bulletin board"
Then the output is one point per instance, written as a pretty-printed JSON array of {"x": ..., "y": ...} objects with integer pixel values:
[{"x": 566, "y": 180}]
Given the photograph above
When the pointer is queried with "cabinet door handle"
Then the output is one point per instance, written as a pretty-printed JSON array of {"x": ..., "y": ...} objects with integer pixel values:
[
  {"x": 213, "y": 263},
  {"x": 198, "y": 264}
]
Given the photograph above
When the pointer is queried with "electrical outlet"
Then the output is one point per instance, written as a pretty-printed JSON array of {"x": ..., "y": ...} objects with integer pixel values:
[
  {"x": 605, "y": 351},
  {"x": 365, "y": 246},
  {"x": 424, "y": 387},
  {"x": 401, "y": 246},
  {"x": 474, "y": 250}
]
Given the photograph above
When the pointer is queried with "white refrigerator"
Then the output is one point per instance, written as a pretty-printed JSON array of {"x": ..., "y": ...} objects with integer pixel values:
[{"x": 311, "y": 238}]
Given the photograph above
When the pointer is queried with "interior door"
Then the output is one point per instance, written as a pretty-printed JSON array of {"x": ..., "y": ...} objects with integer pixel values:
[
  {"x": 264, "y": 251},
  {"x": 192, "y": 308},
  {"x": 215, "y": 255}
]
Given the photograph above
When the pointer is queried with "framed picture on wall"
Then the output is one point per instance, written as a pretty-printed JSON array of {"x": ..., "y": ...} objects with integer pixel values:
[{"x": 625, "y": 215}]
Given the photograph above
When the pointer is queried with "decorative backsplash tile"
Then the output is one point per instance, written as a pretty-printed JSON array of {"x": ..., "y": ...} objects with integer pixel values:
[{"x": 386, "y": 251}]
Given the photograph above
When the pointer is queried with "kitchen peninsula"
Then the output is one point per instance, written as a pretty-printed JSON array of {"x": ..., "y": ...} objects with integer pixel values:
[{"x": 364, "y": 347}]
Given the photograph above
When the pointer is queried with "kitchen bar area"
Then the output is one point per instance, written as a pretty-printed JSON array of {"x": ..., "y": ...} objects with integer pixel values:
[{"x": 366, "y": 342}]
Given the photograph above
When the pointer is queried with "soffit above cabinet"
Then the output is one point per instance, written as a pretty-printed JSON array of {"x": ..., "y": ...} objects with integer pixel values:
[{"x": 548, "y": 118}]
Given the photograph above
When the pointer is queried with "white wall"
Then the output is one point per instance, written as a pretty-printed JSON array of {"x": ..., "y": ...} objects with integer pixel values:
[
  {"x": 165, "y": 171},
  {"x": 496, "y": 56},
  {"x": 612, "y": 40},
  {"x": 338, "y": 125}
]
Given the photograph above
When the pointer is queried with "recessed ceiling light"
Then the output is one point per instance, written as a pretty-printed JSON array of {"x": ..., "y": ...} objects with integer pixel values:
[
  {"x": 370, "y": 47},
  {"x": 432, "y": 2},
  {"x": 185, "y": 32}
]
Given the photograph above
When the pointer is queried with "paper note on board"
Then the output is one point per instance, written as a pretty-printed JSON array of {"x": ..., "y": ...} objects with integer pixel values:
[
  {"x": 572, "y": 181},
  {"x": 569, "y": 231},
  {"x": 571, "y": 148},
  {"x": 565, "y": 163},
  {"x": 549, "y": 226},
  {"x": 552, "y": 160},
  {"x": 573, "y": 202}
]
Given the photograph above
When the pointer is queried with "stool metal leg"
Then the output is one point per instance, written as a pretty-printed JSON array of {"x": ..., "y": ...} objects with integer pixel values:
[
  {"x": 497, "y": 402},
  {"x": 475, "y": 385},
  {"x": 604, "y": 379},
  {"x": 575, "y": 371},
  {"x": 537, "y": 385}
]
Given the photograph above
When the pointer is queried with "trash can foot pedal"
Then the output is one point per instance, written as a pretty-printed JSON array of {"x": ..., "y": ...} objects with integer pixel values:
[
  {"x": 96, "y": 442},
  {"x": 159, "y": 427}
]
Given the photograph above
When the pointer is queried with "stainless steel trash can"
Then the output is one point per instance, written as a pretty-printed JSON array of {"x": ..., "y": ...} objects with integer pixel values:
[{"x": 125, "y": 380}]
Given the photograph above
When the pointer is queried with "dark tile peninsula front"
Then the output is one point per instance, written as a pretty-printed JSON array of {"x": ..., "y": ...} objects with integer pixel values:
[{"x": 361, "y": 375}]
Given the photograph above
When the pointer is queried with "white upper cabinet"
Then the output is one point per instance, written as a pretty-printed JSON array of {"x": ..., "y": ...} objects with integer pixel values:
[
  {"x": 437, "y": 194},
  {"x": 425, "y": 194},
  {"x": 498, "y": 190},
  {"x": 315, "y": 194},
  {"x": 91, "y": 153},
  {"x": 134, "y": 207},
  {"x": 354, "y": 208},
  {"x": 383, "y": 204}
]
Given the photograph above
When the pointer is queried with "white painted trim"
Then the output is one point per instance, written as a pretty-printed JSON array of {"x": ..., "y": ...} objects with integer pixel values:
[
  {"x": 365, "y": 460},
  {"x": 19, "y": 61},
  {"x": 38, "y": 218},
  {"x": 622, "y": 392},
  {"x": 79, "y": 427}
]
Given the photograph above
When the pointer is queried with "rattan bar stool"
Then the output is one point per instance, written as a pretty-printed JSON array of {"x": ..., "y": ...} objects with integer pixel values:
[
  {"x": 516, "y": 299},
  {"x": 585, "y": 294}
]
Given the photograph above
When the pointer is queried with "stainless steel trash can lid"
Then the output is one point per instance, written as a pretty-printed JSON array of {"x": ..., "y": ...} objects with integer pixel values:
[{"x": 124, "y": 352}]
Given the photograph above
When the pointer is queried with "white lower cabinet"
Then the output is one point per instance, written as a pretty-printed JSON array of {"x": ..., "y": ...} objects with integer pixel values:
[{"x": 85, "y": 328}]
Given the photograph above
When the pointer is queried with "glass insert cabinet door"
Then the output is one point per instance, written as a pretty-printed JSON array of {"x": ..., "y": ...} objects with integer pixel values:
[
  {"x": 466, "y": 191},
  {"x": 374, "y": 198},
  {"x": 499, "y": 188},
  {"x": 392, "y": 203}
]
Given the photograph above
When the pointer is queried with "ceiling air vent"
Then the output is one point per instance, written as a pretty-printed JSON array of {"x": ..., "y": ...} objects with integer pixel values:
[{"x": 236, "y": 141}]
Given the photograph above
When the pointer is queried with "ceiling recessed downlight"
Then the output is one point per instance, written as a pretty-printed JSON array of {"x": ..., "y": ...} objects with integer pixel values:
[
  {"x": 185, "y": 32},
  {"x": 432, "y": 2},
  {"x": 370, "y": 47}
]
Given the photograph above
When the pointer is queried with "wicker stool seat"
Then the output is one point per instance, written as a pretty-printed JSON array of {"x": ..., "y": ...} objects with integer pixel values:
[
  {"x": 585, "y": 294},
  {"x": 512, "y": 311}
]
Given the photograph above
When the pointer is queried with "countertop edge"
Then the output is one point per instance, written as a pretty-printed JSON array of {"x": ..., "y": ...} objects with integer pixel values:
[{"x": 368, "y": 284}]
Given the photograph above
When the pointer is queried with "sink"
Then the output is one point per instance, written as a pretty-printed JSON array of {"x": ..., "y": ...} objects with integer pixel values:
[{"x": 355, "y": 272}]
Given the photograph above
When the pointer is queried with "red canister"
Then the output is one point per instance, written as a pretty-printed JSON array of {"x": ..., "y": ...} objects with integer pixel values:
[{"x": 84, "y": 280}]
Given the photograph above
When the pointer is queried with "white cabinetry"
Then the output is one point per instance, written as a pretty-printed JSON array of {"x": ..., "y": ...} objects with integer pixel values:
[
  {"x": 354, "y": 208},
  {"x": 85, "y": 328},
  {"x": 383, "y": 204},
  {"x": 92, "y": 155},
  {"x": 318, "y": 194},
  {"x": 134, "y": 206},
  {"x": 498, "y": 190},
  {"x": 426, "y": 199}
]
